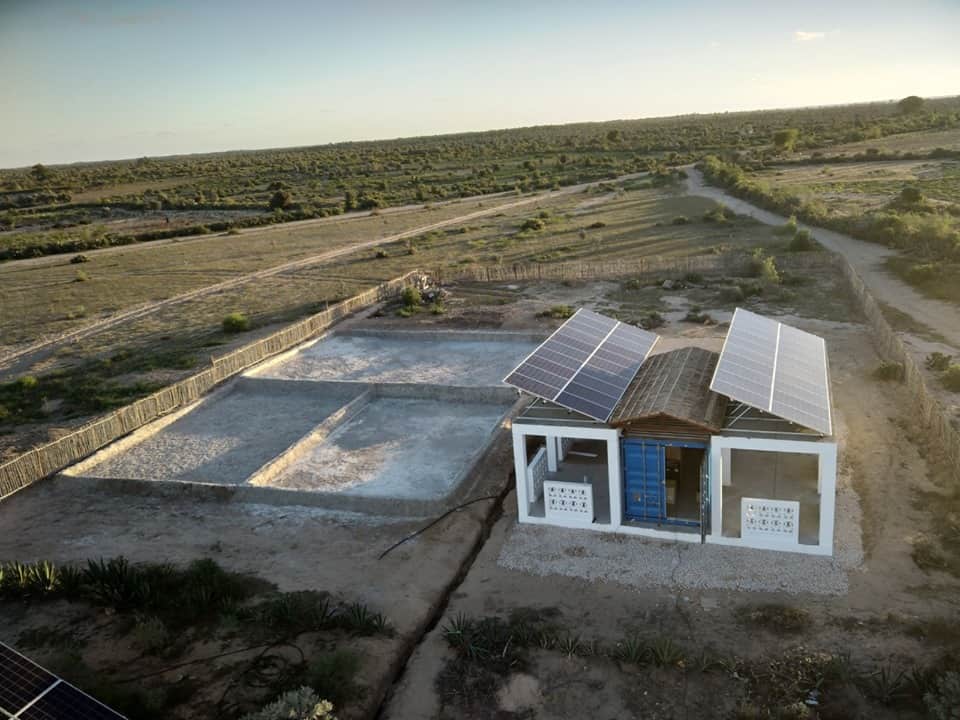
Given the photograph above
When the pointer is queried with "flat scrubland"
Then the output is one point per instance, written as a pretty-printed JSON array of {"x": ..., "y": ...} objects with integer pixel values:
[
  {"x": 49, "y": 210},
  {"x": 124, "y": 361},
  {"x": 491, "y": 641}
]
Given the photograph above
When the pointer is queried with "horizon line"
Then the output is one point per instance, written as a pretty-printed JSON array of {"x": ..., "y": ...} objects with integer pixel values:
[{"x": 332, "y": 143}]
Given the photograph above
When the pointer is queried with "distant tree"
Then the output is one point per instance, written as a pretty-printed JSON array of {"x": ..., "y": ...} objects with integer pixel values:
[
  {"x": 280, "y": 200},
  {"x": 786, "y": 139},
  {"x": 349, "y": 201},
  {"x": 40, "y": 173},
  {"x": 911, "y": 104}
]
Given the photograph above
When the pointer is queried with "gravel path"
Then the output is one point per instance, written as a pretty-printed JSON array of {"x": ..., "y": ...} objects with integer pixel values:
[
  {"x": 639, "y": 562},
  {"x": 866, "y": 258}
]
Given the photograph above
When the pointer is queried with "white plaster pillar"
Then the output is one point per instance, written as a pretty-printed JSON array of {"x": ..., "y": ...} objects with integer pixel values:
[
  {"x": 827, "y": 485},
  {"x": 552, "y": 441},
  {"x": 520, "y": 470},
  {"x": 716, "y": 487},
  {"x": 725, "y": 455},
  {"x": 615, "y": 476}
]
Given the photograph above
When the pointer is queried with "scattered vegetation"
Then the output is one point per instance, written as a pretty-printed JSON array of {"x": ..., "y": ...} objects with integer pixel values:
[
  {"x": 775, "y": 617},
  {"x": 558, "y": 312},
  {"x": 235, "y": 322},
  {"x": 889, "y": 370}
]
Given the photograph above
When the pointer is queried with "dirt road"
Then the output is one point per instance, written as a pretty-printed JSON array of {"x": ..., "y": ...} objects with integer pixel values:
[
  {"x": 14, "y": 361},
  {"x": 866, "y": 258}
]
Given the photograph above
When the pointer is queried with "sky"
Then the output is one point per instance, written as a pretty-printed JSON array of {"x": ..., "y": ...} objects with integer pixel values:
[{"x": 95, "y": 80}]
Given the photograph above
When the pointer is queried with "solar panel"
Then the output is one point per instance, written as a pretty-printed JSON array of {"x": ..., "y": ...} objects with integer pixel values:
[
  {"x": 28, "y": 692},
  {"x": 597, "y": 388},
  {"x": 776, "y": 368},
  {"x": 586, "y": 365}
]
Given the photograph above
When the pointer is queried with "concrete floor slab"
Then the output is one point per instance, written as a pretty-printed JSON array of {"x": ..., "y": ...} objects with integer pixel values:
[
  {"x": 225, "y": 438},
  {"x": 393, "y": 358},
  {"x": 397, "y": 447}
]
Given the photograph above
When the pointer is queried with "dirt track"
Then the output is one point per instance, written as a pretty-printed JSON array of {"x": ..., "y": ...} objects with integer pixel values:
[
  {"x": 25, "y": 356},
  {"x": 866, "y": 258}
]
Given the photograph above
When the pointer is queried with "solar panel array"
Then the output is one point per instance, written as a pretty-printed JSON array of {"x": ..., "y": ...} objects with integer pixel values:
[
  {"x": 776, "y": 368},
  {"x": 586, "y": 365},
  {"x": 28, "y": 692}
]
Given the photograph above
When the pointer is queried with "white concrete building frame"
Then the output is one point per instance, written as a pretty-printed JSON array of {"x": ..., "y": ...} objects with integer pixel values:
[
  {"x": 720, "y": 465},
  {"x": 554, "y": 434},
  {"x": 719, "y": 459}
]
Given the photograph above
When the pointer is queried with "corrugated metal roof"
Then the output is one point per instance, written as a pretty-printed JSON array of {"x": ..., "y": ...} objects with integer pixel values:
[{"x": 674, "y": 384}]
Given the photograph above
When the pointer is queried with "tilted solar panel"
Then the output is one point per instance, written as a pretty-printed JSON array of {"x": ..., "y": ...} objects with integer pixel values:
[
  {"x": 547, "y": 370},
  {"x": 598, "y": 386},
  {"x": 586, "y": 365},
  {"x": 776, "y": 368},
  {"x": 28, "y": 692}
]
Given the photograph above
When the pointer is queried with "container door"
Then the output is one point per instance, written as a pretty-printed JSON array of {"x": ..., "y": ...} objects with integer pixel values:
[{"x": 644, "y": 464}]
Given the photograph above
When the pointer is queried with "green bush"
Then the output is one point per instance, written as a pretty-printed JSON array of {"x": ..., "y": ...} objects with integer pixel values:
[
  {"x": 888, "y": 370},
  {"x": 938, "y": 361},
  {"x": 77, "y": 259},
  {"x": 558, "y": 312},
  {"x": 921, "y": 273},
  {"x": 81, "y": 276},
  {"x": 410, "y": 297},
  {"x": 236, "y": 322},
  {"x": 680, "y": 220},
  {"x": 762, "y": 266},
  {"x": 789, "y": 229},
  {"x": 333, "y": 676},
  {"x": 802, "y": 242},
  {"x": 532, "y": 225},
  {"x": 381, "y": 254},
  {"x": 951, "y": 377}
]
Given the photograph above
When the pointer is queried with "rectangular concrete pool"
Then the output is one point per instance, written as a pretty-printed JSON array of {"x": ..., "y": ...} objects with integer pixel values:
[
  {"x": 225, "y": 438},
  {"x": 403, "y": 448},
  {"x": 454, "y": 358}
]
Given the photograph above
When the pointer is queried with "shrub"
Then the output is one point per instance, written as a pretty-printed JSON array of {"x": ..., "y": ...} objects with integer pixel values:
[
  {"x": 381, "y": 254},
  {"x": 597, "y": 225},
  {"x": 680, "y": 220},
  {"x": 302, "y": 704},
  {"x": 789, "y": 229},
  {"x": 236, "y": 322},
  {"x": 78, "y": 259},
  {"x": 150, "y": 635},
  {"x": 279, "y": 200},
  {"x": 938, "y": 361},
  {"x": 333, "y": 676},
  {"x": 802, "y": 242},
  {"x": 951, "y": 378},
  {"x": 410, "y": 297},
  {"x": 888, "y": 370},
  {"x": 732, "y": 294},
  {"x": 81, "y": 276},
  {"x": 764, "y": 267},
  {"x": 652, "y": 321},
  {"x": 532, "y": 225},
  {"x": 942, "y": 703},
  {"x": 558, "y": 312},
  {"x": 921, "y": 273}
]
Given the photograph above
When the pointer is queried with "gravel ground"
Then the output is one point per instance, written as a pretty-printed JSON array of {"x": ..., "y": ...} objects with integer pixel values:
[{"x": 639, "y": 562}]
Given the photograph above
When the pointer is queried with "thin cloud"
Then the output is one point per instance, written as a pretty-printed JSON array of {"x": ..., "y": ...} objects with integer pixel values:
[{"x": 805, "y": 36}]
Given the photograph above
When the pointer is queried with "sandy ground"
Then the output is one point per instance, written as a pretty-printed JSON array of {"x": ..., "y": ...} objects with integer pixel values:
[
  {"x": 397, "y": 447},
  {"x": 295, "y": 547},
  {"x": 660, "y": 589},
  {"x": 392, "y": 359},
  {"x": 224, "y": 439},
  {"x": 866, "y": 258}
]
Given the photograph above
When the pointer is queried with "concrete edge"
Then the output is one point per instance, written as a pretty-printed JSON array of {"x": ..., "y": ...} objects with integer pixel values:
[
  {"x": 445, "y": 335},
  {"x": 274, "y": 467}
]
